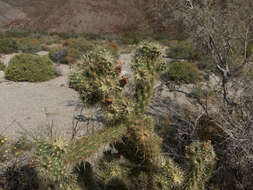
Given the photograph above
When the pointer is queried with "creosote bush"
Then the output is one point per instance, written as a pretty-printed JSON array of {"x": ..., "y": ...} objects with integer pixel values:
[
  {"x": 28, "y": 67},
  {"x": 80, "y": 44},
  {"x": 180, "y": 50},
  {"x": 182, "y": 72},
  {"x": 28, "y": 45},
  {"x": 8, "y": 45},
  {"x": 65, "y": 55},
  {"x": 129, "y": 38},
  {"x": 58, "y": 55}
]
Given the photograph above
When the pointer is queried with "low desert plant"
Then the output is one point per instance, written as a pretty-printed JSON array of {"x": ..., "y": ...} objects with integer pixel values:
[
  {"x": 28, "y": 67},
  {"x": 180, "y": 50},
  {"x": 65, "y": 55},
  {"x": 29, "y": 45},
  {"x": 129, "y": 38},
  {"x": 80, "y": 44},
  {"x": 58, "y": 55},
  {"x": 182, "y": 72},
  {"x": 8, "y": 45}
]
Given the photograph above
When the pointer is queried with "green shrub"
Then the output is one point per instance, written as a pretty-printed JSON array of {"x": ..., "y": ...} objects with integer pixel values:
[
  {"x": 8, "y": 45},
  {"x": 65, "y": 55},
  {"x": 73, "y": 54},
  {"x": 58, "y": 55},
  {"x": 16, "y": 34},
  {"x": 129, "y": 38},
  {"x": 28, "y": 67},
  {"x": 182, "y": 72},
  {"x": 2, "y": 66},
  {"x": 29, "y": 45},
  {"x": 179, "y": 50},
  {"x": 80, "y": 44},
  {"x": 90, "y": 36}
]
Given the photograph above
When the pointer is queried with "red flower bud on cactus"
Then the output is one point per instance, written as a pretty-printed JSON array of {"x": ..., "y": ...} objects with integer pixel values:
[
  {"x": 114, "y": 46},
  {"x": 118, "y": 69},
  {"x": 123, "y": 81},
  {"x": 109, "y": 100}
]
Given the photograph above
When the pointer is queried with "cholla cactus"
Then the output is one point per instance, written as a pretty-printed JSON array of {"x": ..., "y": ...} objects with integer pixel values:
[
  {"x": 49, "y": 159},
  {"x": 202, "y": 161},
  {"x": 146, "y": 64},
  {"x": 98, "y": 82},
  {"x": 145, "y": 142},
  {"x": 171, "y": 175}
]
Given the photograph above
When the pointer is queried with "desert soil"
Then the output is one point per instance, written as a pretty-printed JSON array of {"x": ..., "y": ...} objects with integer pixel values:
[{"x": 28, "y": 108}]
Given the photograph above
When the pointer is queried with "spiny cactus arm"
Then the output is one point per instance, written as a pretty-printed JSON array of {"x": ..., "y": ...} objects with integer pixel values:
[
  {"x": 85, "y": 147},
  {"x": 145, "y": 66},
  {"x": 171, "y": 175},
  {"x": 202, "y": 161}
]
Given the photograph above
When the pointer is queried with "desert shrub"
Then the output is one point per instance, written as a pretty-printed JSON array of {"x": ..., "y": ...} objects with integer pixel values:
[
  {"x": 65, "y": 55},
  {"x": 29, "y": 45},
  {"x": 90, "y": 36},
  {"x": 2, "y": 66},
  {"x": 73, "y": 55},
  {"x": 80, "y": 44},
  {"x": 8, "y": 45},
  {"x": 58, "y": 55},
  {"x": 16, "y": 34},
  {"x": 49, "y": 39},
  {"x": 66, "y": 35},
  {"x": 28, "y": 67},
  {"x": 179, "y": 50},
  {"x": 129, "y": 38},
  {"x": 182, "y": 72}
]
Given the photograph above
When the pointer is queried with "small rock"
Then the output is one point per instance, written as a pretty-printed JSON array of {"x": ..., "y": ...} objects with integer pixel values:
[
  {"x": 213, "y": 80},
  {"x": 42, "y": 53}
]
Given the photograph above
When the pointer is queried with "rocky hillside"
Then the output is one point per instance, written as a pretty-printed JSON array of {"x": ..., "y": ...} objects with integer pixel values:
[{"x": 89, "y": 16}]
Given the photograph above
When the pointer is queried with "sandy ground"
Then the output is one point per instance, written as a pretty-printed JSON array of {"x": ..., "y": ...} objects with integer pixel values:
[{"x": 30, "y": 107}]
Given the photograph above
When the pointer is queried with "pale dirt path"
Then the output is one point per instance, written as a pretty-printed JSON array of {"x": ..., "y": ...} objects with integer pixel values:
[{"x": 33, "y": 104}]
